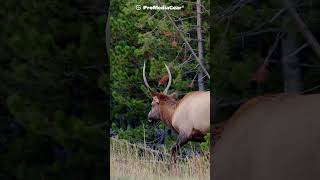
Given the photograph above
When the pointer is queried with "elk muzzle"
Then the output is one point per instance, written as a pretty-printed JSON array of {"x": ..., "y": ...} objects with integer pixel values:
[{"x": 152, "y": 117}]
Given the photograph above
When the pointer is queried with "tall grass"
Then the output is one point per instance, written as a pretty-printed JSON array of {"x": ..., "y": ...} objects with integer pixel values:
[{"x": 132, "y": 161}]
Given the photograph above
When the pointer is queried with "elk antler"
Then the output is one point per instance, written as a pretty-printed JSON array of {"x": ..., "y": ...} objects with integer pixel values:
[
  {"x": 146, "y": 82},
  {"x": 170, "y": 80},
  {"x": 144, "y": 75}
]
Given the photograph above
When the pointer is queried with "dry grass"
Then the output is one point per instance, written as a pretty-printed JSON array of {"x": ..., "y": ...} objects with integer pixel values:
[{"x": 130, "y": 161}]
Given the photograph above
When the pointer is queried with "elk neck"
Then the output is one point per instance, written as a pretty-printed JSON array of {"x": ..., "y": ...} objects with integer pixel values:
[{"x": 167, "y": 109}]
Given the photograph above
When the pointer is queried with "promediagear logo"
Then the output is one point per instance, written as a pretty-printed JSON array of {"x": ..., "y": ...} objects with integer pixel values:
[
  {"x": 156, "y": 7},
  {"x": 138, "y": 7}
]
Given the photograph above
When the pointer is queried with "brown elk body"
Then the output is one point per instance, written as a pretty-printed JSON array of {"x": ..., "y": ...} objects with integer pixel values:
[
  {"x": 271, "y": 137},
  {"x": 188, "y": 117}
]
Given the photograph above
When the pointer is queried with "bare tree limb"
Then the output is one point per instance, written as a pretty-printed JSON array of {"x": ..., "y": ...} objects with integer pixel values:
[
  {"x": 185, "y": 40},
  {"x": 314, "y": 66},
  {"x": 256, "y": 29},
  {"x": 298, "y": 50},
  {"x": 223, "y": 38},
  {"x": 303, "y": 27},
  {"x": 276, "y": 42},
  {"x": 311, "y": 89},
  {"x": 267, "y": 30},
  {"x": 230, "y": 11}
]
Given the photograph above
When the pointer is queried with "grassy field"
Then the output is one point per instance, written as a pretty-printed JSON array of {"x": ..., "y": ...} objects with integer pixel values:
[{"x": 131, "y": 161}]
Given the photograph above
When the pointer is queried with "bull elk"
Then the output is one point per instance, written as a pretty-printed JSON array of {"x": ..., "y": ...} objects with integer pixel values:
[
  {"x": 188, "y": 117},
  {"x": 271, "y": 137}
]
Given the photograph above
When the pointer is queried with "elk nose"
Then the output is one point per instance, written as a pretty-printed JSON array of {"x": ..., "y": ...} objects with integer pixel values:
[{"x": 149, "y": 119}]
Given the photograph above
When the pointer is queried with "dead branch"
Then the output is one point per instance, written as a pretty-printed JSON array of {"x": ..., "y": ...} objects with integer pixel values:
[
  {"x": 304, "y": 45},
  {"x": 267, "y": 30},
  {"x": 255, "y": 30},
  {"x": 276, "y": 42},
  {"x": 185, "y": 40},
  {"x": 230, "y": 11},
  {"x": 303, "y": 27},
  {"x": 311, "y": 89}
]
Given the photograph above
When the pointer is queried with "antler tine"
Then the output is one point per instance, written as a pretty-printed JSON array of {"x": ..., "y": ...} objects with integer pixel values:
[
  {"x": 170, "y": 80},
  {"x": 144, "y": 75}
]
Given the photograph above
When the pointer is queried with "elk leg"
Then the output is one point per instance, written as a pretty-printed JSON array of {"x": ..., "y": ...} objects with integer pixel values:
[
  {"x": 198, "y": 138},
  {"x": 182, "y": 139}
]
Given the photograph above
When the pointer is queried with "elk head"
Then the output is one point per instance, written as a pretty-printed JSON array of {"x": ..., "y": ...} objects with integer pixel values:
[{"x": 162, "y": 104}]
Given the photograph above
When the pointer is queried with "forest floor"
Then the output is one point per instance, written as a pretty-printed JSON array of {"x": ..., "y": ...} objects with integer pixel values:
[{"x": 130, "y": 161}]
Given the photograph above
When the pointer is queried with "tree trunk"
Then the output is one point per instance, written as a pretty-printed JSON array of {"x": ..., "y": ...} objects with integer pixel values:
[
  {"x": 200, "y": 46},
  {"x": 290, "y": 64},
  {"x": 108, "y": 35}
]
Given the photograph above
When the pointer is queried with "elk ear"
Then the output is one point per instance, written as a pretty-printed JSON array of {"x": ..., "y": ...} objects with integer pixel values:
[
  {"x": 174, "y": 95},
  {"x": 156, "y": 99}
]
